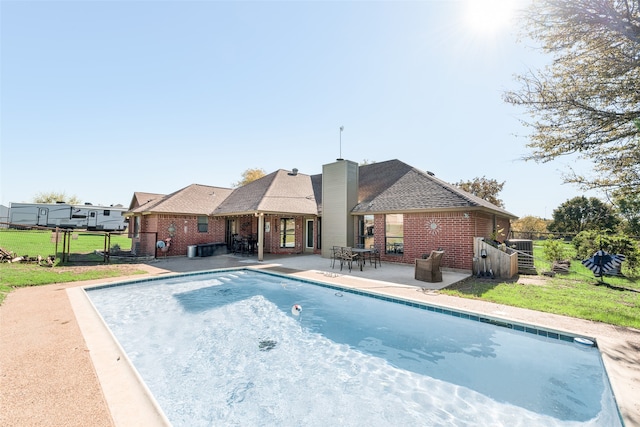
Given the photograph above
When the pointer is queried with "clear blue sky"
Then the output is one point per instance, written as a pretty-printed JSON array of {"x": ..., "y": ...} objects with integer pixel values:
[{"x": 100, "y": 99}]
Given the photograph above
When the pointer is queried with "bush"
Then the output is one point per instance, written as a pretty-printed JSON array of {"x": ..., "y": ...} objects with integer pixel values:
[
  {"x": 589, "y": 242},
  {"x": 554, "y": 250}
]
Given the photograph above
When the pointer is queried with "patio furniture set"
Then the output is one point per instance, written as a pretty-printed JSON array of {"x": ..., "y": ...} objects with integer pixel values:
[
  {"x": 427, "y": 269},
  {"x": 348, "y": 255}
]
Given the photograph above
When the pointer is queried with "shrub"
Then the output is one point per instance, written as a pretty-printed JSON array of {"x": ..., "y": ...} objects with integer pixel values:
[{"x": 554, "y": 250}]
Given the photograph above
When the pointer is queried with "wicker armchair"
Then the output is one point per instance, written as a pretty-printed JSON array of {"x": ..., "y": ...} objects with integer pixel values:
[{"x": 428, "y": 270}]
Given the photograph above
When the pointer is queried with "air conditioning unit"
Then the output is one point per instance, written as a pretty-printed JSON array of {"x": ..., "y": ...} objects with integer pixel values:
[{"x": 524, "y": 248}]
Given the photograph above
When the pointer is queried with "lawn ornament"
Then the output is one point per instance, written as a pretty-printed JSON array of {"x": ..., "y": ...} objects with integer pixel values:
[{"x": 602, "y": 263}]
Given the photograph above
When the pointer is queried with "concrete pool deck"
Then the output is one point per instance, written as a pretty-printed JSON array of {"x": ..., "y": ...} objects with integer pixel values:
[{"x": 61, "y": 367}]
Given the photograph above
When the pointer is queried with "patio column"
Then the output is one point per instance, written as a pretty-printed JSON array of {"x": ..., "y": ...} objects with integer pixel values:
[{"x": 260, "y": 236}]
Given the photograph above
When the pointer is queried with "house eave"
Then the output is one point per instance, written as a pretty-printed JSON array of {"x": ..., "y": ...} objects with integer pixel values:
[{"x": 435, "y": 210}]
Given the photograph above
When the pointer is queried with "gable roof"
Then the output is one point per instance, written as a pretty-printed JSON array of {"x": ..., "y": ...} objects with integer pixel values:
[
  {"x": 386, "y": 187},
  {"x": 279, "y": 192},
  {"x": 394, "y": 186},
  {"x": 194, "y": 199},
  {"x": 140, "y": 198}
]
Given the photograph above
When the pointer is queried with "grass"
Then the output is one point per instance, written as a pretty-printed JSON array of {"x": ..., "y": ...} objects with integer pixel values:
[
  {"x": 33, "y": 243},
  {"x": 613, "y": 300},
  {"x": 17, "y": 275},
  {"x": 43, "y": 242}
]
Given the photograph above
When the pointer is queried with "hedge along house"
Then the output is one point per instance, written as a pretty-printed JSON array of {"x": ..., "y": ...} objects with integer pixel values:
[{"x": 401, "y": 210}]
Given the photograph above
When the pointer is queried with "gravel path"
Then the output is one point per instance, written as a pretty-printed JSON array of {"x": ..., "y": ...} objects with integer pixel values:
[{"x": 46, "y": 374}]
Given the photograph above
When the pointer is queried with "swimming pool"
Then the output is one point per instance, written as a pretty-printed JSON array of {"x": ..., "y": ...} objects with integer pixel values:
[{"x": 226, "y": 348}]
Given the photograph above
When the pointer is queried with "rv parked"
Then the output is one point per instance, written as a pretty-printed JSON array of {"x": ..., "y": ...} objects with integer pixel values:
[{"x": 87, "y": 216}]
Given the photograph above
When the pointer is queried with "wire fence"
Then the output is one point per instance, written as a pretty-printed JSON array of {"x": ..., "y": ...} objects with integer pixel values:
[
  {"x": 537, "y": 235},
  {"x": 55, "y": 245}
]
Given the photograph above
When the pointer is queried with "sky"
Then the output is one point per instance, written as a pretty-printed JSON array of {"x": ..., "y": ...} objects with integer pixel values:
[{"x": 101, "y": 99}]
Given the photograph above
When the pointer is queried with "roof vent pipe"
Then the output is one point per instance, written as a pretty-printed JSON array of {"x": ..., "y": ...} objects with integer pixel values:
[{"x": 294, "y": 171}]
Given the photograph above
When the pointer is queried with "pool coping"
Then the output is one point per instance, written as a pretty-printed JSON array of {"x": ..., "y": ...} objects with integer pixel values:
[
  {"x": 128, "y": 398},
  {"x": 136, "y": 398}
]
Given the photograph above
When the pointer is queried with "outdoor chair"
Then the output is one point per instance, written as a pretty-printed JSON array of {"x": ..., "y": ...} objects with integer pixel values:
[
  {"x": 374, "y": 256},
  {"x": 347, "y": 258},
  {"x": 336, "y": 255},
  {"x": 428, "y": 270}
]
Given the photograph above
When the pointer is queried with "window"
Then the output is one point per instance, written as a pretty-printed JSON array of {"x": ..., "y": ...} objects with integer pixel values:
[
  {"x": 365, "y": 231},
  {"x": 203, "y": 224},
  {"x": 106, "y": 213},
  {"x": 309, "y": 244},
  {"x": 394, "y": 234},
  {"x": 287, "y": 233}
]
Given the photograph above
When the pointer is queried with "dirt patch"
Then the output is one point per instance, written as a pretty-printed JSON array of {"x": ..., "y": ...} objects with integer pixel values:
[{"x": 532, "y": 280}]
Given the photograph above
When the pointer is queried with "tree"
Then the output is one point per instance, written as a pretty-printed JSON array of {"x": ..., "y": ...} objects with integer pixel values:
[
  {"x": 486, "y": 189},
  {"x": 587, "y": 101},
  {"x": 628, "y": 207},
  {"x": 529, "y": 227},
  {"x": 587, "y": 243},
  {"x": 580, "y": 214},
  {"x": 248, "y": 176},
  {"x": 53, "y": 197}
]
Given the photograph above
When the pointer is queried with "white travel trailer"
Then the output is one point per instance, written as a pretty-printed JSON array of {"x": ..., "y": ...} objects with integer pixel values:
[{"x": 87, "y": 216}]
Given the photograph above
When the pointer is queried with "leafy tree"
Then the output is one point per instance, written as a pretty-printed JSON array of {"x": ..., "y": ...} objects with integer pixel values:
[
  {"x": 628, "y": 207},
  {"x": 589, "y": 242},
  {"x": 581, "y": 213},
  {"x": 248, "y": 176},
  {"x": 53, "y": 197},
  {"x": 486, "y": 189},
  {"x": 530, "y": 227},
  {"x": 587, "y": 101}
]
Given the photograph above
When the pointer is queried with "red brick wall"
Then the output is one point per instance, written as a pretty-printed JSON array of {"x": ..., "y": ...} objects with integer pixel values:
[
  {"x": 503, "y": 229},
  {"x": 185, "y": 232},
  {"x": 272, "y": 239},
  {"x": 451, "y": 231}
]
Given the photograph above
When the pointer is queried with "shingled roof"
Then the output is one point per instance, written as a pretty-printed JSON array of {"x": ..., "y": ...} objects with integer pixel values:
[
  {"x": 386, "y": 187},
  {"x": 394, "y": 186},
  {"x": 194, "y": 199},
  {"x": 140, "y": 198},
  {"x": 279, "y": 192}
]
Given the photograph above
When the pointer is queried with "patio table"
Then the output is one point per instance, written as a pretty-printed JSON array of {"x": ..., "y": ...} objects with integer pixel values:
[{"x": 361, "y": 254}]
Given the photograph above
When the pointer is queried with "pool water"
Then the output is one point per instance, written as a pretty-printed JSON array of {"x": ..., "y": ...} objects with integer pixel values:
[{"x": 228, "y": 348}]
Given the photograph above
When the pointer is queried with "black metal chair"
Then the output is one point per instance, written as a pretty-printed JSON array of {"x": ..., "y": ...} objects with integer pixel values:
[{"x": 374, "y": 256}]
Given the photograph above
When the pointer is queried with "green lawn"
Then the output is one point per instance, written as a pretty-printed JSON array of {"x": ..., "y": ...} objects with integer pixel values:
[
  {"x": 43, "y": 243},
  {"x": 614, "y": 300}
]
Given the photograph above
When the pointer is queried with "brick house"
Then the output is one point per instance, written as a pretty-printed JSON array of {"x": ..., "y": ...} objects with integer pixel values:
[{"x": 402, "y": 210}]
